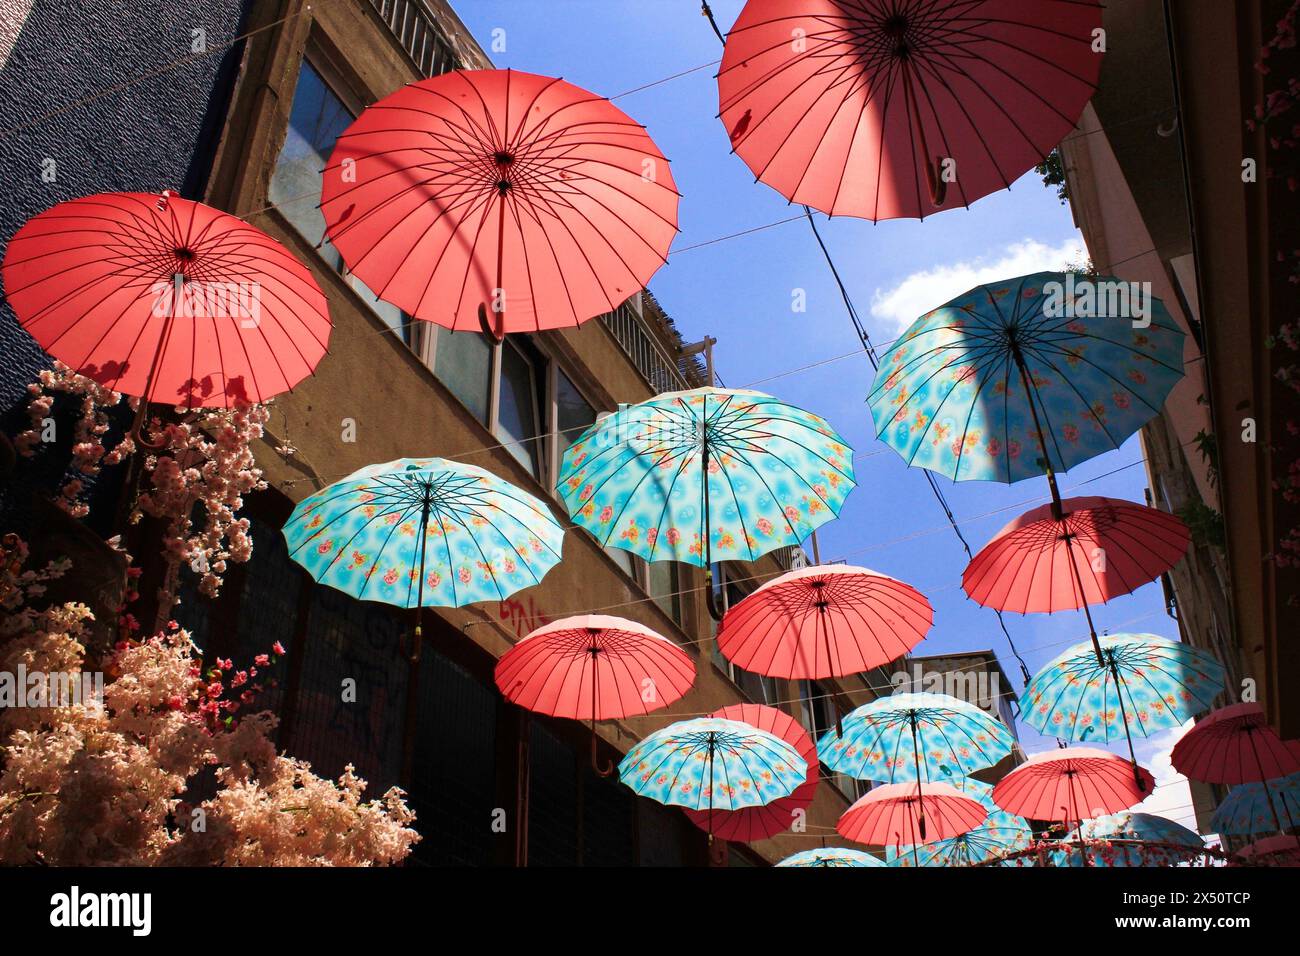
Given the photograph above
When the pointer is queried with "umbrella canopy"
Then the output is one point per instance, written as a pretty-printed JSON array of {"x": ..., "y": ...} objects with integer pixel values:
[
  {"x": 594, "y": 667},
  {"x": 953, "y": 393},
  {"x": 903, "y": 737},
  {"x": 999, "y": 834},
  {"x": 832, "y": 856},
  {"x": 1128, "y": 839},
  {"x": 501, "y": 192},
  {"x": 635, "y": 479},
  {"x": 1098, "y": 549},
  {"x": 1234, "y": 744},
  {"x": 423, "y": 532},
  {"x": 892, "y": 815},
  {"x": 1249, "y": 808},
  {"x": 166, "y": 299},
  {"x": 888, "y": 109},
  {"x": 759, "y": 823},
  {"x": 712, "y": 764},
  {"x": 824, "y": 621},
  {"x": 1144, "y": 682},
  {"x": 1279, "y": 850},
  {"x": 1071, "y": 784}
]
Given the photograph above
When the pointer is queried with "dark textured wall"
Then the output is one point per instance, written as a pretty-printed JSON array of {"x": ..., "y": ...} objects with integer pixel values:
[{"x": 77, "y": 88}]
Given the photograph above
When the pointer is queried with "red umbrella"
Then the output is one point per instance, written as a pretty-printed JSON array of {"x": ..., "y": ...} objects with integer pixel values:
[
  {"x": 500, "y": 191},
  {"x": 1281, "y": 850},
  {"x": 1234, "y": 744},
  {"x": 889, "y": 814},
  {"x": 1097, "y": 549},
  {"x": 824, "y": 621},
  {"x": 594, "y": 667},
  {"x": 891, "y": 109},
  {"x": 1072, "y": 784},
  {"x": 759, "y": 823},
  {"x": 166, "y": 299}
]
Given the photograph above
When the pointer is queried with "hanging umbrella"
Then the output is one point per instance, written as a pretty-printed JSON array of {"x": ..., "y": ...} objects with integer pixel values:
[
  {"x": 496, "y": 191},
  {"x": 1071, "y": 784},
  {"x": 1279, "y": 850},
  {"x": 1248, "y": 808},
  {"x": 887, "y": 109},
  {"x": 896, "y": 814},
  {"x": 710, "y": 764},
  {"x": 594, "y": 666},
  {"x": 1128, "y": 839},
  {"x": 1098, "y": 549},
  {"x": 832, "y": 856},
  {"x": 999, "y": 834},
  {"x": 932, "y": 737},
  {"x": 166, "y": 299},
  {"x": 424, "y": 532},
  {"x": 824, "y": 621},
  {"x": 1235, "y": 744},
  {"x": 952, "y": 395},
  {"x": 1142, "y": 683},
  {"x": 775, "y": 473},
  {"x": 759, "y": 823}
]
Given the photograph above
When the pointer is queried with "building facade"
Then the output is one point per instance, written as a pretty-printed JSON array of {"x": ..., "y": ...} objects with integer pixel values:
[
  {"x": 247, "y": 127},
  {"x": 1175, "y": 181}
]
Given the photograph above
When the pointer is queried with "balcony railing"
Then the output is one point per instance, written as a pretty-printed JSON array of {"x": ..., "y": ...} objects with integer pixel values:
[
  {"x": 646, "y": 351},
  {"x": 415, "y": 29}
]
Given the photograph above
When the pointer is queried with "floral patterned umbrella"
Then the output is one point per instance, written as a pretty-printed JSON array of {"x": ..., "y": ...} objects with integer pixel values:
[
  {"x": 1128, "y": 839},
  {"x": 711, "y": 764},
  {"x": 1142, "y": 683},
  {"x": 999, "y": 834},
  {"x": 1248, "y": 809},
  {"x": 1025, "y": 377},
  {"x": 635, "y": 479},
  {"x": 424, "y": 532},
  {"x": 832, "y": 856},
  {"x": 931, "y": 737}
]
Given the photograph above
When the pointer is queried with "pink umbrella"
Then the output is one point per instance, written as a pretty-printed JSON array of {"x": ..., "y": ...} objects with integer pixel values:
[
  {"x": 1279, "y": 850},
  {"x": 1098, "y": 549},
  {"x": 1235, "y": 744},
  {"x": 166, "y": 299},
  {"x": 594, "y": 667},
  {"x": 759, "y": 823},
  {"x": 1071, "y": 784},
  {"x": 824, "y": 621},
  {"x": 890, "y": 815}
]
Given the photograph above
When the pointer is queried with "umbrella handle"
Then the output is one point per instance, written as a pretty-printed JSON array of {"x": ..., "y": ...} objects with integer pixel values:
[
  {"x": 137, "y": 429},
  {"x": 938, "y": 187},
  {"x": 711, "y": 602},
  {"x": 414, "y": 656},
  {"x": 494, "y": 332},
  {"x": 609, "y": 767}
]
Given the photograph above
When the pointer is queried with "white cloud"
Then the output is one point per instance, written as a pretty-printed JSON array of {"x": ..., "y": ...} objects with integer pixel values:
[
  {"x": 1172, "y": 797},
  {"x": 918, "y": 293}
]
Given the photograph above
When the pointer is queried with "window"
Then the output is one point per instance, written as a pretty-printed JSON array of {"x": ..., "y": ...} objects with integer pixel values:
[
  {"x": 463, "y": 361},
  {"x": 662, "y": 585},
  {"x": 518, "y": 420},
  {"x": 315, "y": 122},
  {"x": 316, "y": 119}
]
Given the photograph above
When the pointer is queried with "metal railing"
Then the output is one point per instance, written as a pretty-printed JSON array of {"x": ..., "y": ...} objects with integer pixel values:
[
  {"x": 643, "y": 347},
  {"x": 416, "y": 31}
]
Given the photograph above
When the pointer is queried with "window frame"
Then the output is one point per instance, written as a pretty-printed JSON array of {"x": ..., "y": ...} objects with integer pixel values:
[{"x": 337, "y": 82}]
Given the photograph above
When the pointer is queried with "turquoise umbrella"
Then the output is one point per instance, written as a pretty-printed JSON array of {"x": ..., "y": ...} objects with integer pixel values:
[
  {"x": 635, "y": 479},
  {"x": 953, "y": 393},
  {"x": 713, "y": 764},
  {"x": 1128, "y": 839},
  {"x": 1141, "y": 683},
  {"x": 424, "y": 532},
  {"x": 832, "y": 856},
  {"x": 1250, "y": 810},
  {"x": 929, "y": 737},
  {"x": 999, "y": 834}
]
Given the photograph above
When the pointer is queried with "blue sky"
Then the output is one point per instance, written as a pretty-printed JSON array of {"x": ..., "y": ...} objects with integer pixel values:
[{"x": 740, "y": 291}]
